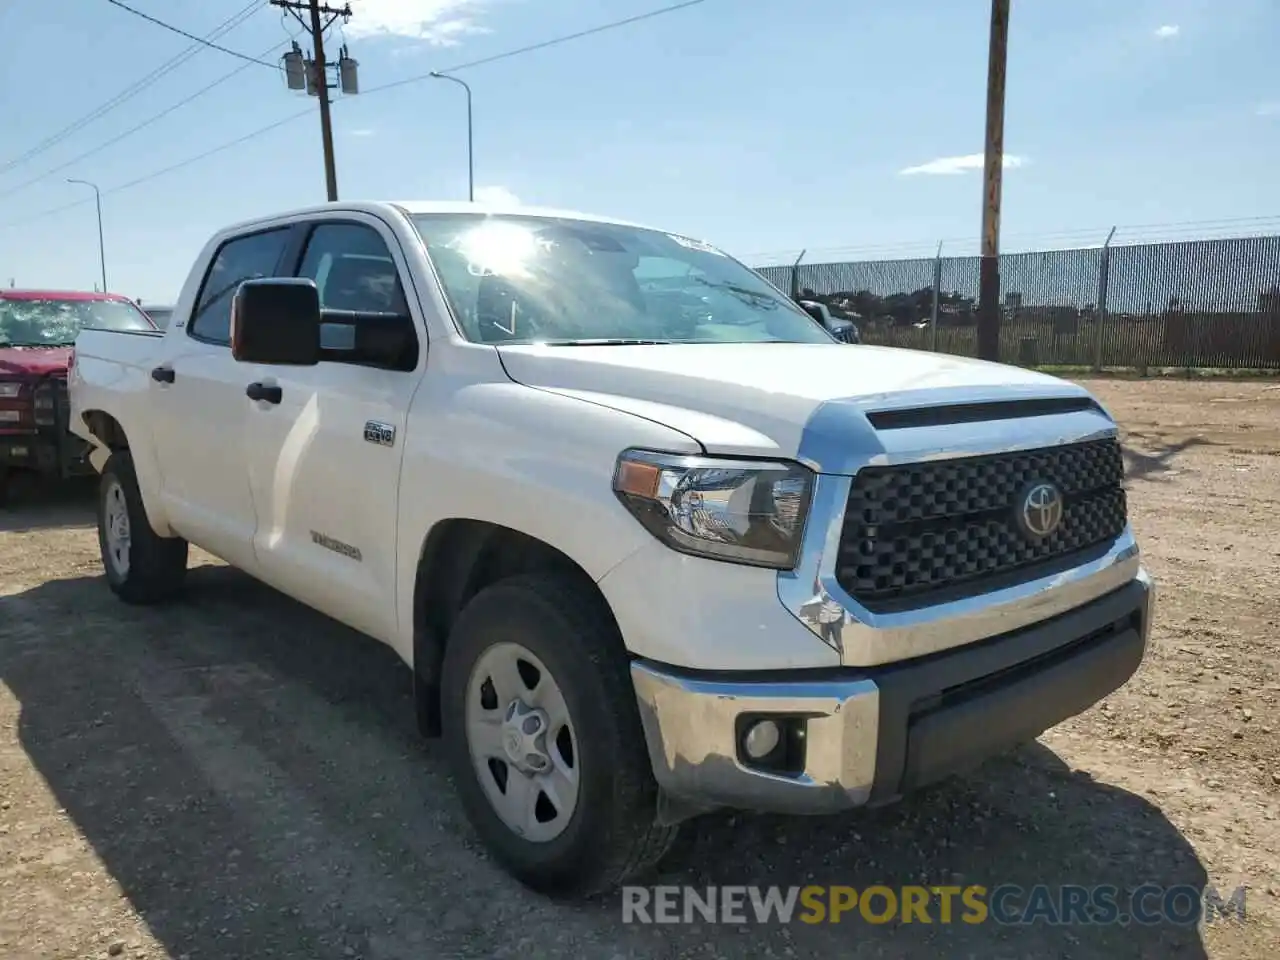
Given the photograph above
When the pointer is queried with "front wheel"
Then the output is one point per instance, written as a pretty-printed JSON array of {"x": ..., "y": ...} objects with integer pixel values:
[
  {"x": 545, "y": 741},
  {"x": 141, "y": 566}
]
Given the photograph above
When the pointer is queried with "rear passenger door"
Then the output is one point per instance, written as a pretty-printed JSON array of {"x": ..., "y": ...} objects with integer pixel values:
[
  {"x": 324, "y": 463},
  {"x": 199, "y": 407}
]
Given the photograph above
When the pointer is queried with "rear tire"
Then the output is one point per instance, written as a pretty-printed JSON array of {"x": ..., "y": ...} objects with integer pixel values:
[
  {"x": 584, "y": 735},
  {"x": 142, "y": 567}
]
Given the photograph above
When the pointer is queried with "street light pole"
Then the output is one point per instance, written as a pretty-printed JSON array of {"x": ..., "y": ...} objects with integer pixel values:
[
  {"x": 102, "y": 248},
  {"x": 471, "y": 169}
]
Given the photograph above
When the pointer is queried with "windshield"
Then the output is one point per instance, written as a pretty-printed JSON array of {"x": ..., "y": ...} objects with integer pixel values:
[
  {"x": 53, "y": 322},
  {"x": 528, "y": 279}
]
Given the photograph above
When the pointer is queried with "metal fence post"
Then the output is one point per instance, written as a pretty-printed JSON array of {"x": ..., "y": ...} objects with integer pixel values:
[
  {"x": 1100, "y": 312},
  {"x": 937, "y": 295},
  {"x": 795, "y": 278}
]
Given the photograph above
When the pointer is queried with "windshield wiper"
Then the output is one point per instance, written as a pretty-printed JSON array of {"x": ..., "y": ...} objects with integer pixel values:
[{"x": 752, "y": 297}]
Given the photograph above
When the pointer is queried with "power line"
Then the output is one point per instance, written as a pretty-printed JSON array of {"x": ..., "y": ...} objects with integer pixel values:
[
  {"x": 253, "y": 134},
  {"x": 133, "y": 90},
  {"x": 531, "y": 48},
  {"x": 190, "y": 36},
  {"x": 299, "y": 115},
  {"x": 138, "y": 127},
  {"x": 209, "y": 153}
]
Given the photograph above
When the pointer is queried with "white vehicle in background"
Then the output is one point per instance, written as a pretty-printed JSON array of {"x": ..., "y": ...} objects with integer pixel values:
[
  {"x": 650, "y": 540},
  {"x": 160, "y": 315}
]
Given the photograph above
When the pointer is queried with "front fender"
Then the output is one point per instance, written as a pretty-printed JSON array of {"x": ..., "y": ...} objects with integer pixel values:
[{"x": 522, "y": 458}]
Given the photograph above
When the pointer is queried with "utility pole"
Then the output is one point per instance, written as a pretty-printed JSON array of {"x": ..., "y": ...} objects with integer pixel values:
[
  {"x": 322, "y": 87},
  {"x": 993, "y": 175},
  {"x": 313, "y": 76}
]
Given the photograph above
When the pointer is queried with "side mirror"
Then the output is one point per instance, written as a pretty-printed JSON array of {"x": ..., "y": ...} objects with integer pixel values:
[
  {"x": 386, "y": 340},
  {"x": 276, "y": 321}
]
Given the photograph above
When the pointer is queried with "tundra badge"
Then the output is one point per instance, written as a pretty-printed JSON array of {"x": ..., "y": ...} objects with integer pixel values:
[
  {"x": 380, "y": 433},
  {"x": 337, "y": 546}
]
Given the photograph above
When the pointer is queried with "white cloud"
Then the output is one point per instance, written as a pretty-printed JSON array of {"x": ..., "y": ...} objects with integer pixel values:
[
  {"x": 498, "y": 196},
  {"x": 1168, "y": 31},
  {"x": 950, "y": 166},
  {"x": 441, "y": 23},
  {"x": 360, "y": 132},
  {"x": 1270, "y": 109}
]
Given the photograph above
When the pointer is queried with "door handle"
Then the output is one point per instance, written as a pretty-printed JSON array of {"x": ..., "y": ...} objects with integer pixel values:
[
  {"x": 162, "y": 375},
  {"x": 260, "y": 391}
]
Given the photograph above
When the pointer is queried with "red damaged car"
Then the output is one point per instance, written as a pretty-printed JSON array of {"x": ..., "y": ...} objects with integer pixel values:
[{"x": 37, "y": 331}]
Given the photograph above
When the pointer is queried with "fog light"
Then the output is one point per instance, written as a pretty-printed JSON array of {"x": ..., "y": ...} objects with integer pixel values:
[{"x": 762, "y": 739}]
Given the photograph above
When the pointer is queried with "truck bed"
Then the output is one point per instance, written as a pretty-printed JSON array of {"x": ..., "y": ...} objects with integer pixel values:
[{"x": 117, "y": 362}]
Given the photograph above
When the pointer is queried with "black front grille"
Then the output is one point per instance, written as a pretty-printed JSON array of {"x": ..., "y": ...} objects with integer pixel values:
[{"x": 922, "y": 533}]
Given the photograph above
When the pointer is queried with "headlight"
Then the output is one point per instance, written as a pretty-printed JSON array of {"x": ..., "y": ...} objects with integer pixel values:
[
  {"x": 9, "y": 391},
  {"x": 743, "y": 511}
]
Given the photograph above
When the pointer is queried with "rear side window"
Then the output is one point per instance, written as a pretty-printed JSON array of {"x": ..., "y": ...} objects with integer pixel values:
[{"x": 249, "y": 257}]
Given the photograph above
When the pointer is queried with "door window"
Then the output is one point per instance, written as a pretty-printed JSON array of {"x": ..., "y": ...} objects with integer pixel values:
[
  {"x": 250, "y": 257},
  {"x": 353, "y": 270},
  {"x": 361, "y": 293}
]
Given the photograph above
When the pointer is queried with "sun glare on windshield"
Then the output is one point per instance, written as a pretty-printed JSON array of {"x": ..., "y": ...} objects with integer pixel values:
[
  {"x": 530, "y": 279},
  {"x": 497, "y": 248}
]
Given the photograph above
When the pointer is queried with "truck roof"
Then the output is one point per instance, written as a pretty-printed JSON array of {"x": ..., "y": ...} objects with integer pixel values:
[
  {"x": 13, "y": 294},
  {"x": 411, "y": 207}
]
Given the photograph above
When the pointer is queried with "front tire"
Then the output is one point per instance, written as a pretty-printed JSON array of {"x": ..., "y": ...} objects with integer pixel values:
[
  {"x": 544, "y": 738},
  {"x": 142, "y": 567}
]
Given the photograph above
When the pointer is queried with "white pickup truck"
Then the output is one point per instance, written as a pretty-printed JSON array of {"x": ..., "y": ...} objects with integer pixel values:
[{"x": 651, "y": 541}]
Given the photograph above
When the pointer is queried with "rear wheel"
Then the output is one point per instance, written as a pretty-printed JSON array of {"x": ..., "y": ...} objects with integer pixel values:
[
  {"x": 545, "y": 741},
  {"x": 141, "y": 566}
]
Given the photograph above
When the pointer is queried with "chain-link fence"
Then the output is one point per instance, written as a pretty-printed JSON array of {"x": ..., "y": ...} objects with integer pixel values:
[{"x": 1193, "y": 304}]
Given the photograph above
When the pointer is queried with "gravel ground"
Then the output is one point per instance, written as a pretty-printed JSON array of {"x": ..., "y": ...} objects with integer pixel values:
[{"x": 236, "y": 776}]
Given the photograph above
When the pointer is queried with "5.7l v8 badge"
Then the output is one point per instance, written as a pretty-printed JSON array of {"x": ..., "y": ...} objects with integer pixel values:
[{"x": 383, "y": 434}]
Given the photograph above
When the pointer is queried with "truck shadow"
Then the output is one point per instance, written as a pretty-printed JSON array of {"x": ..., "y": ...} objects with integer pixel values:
[
  {"x": 29, "y": 506},
  {"x": 1152, "y": 463},
  {"x": 249, "y": 773}
]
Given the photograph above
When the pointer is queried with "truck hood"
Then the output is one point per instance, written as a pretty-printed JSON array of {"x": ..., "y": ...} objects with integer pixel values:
[
  {"x": 757, "y": 399},
  {"x": 23, "y": 362}
]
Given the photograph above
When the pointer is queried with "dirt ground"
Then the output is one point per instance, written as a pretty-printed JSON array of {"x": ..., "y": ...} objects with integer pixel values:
[{"x": 236, "y": 776}]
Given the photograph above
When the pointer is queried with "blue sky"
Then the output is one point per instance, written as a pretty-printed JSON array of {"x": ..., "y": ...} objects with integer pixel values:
[{"x": 761, "y": 125}]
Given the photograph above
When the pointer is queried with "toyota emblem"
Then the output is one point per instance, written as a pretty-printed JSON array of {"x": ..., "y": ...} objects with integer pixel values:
[{"x": 1041, "y": 511}]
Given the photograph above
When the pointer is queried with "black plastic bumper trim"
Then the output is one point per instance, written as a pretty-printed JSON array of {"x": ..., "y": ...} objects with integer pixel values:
[{"x": 947, "y": 712}]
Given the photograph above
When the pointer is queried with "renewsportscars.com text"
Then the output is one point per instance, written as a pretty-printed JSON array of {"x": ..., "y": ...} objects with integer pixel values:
[{"x": 1005, "y": 904}]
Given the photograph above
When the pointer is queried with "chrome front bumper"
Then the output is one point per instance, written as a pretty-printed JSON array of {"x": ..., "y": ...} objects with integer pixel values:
[{"x": 872, "y": 734}]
